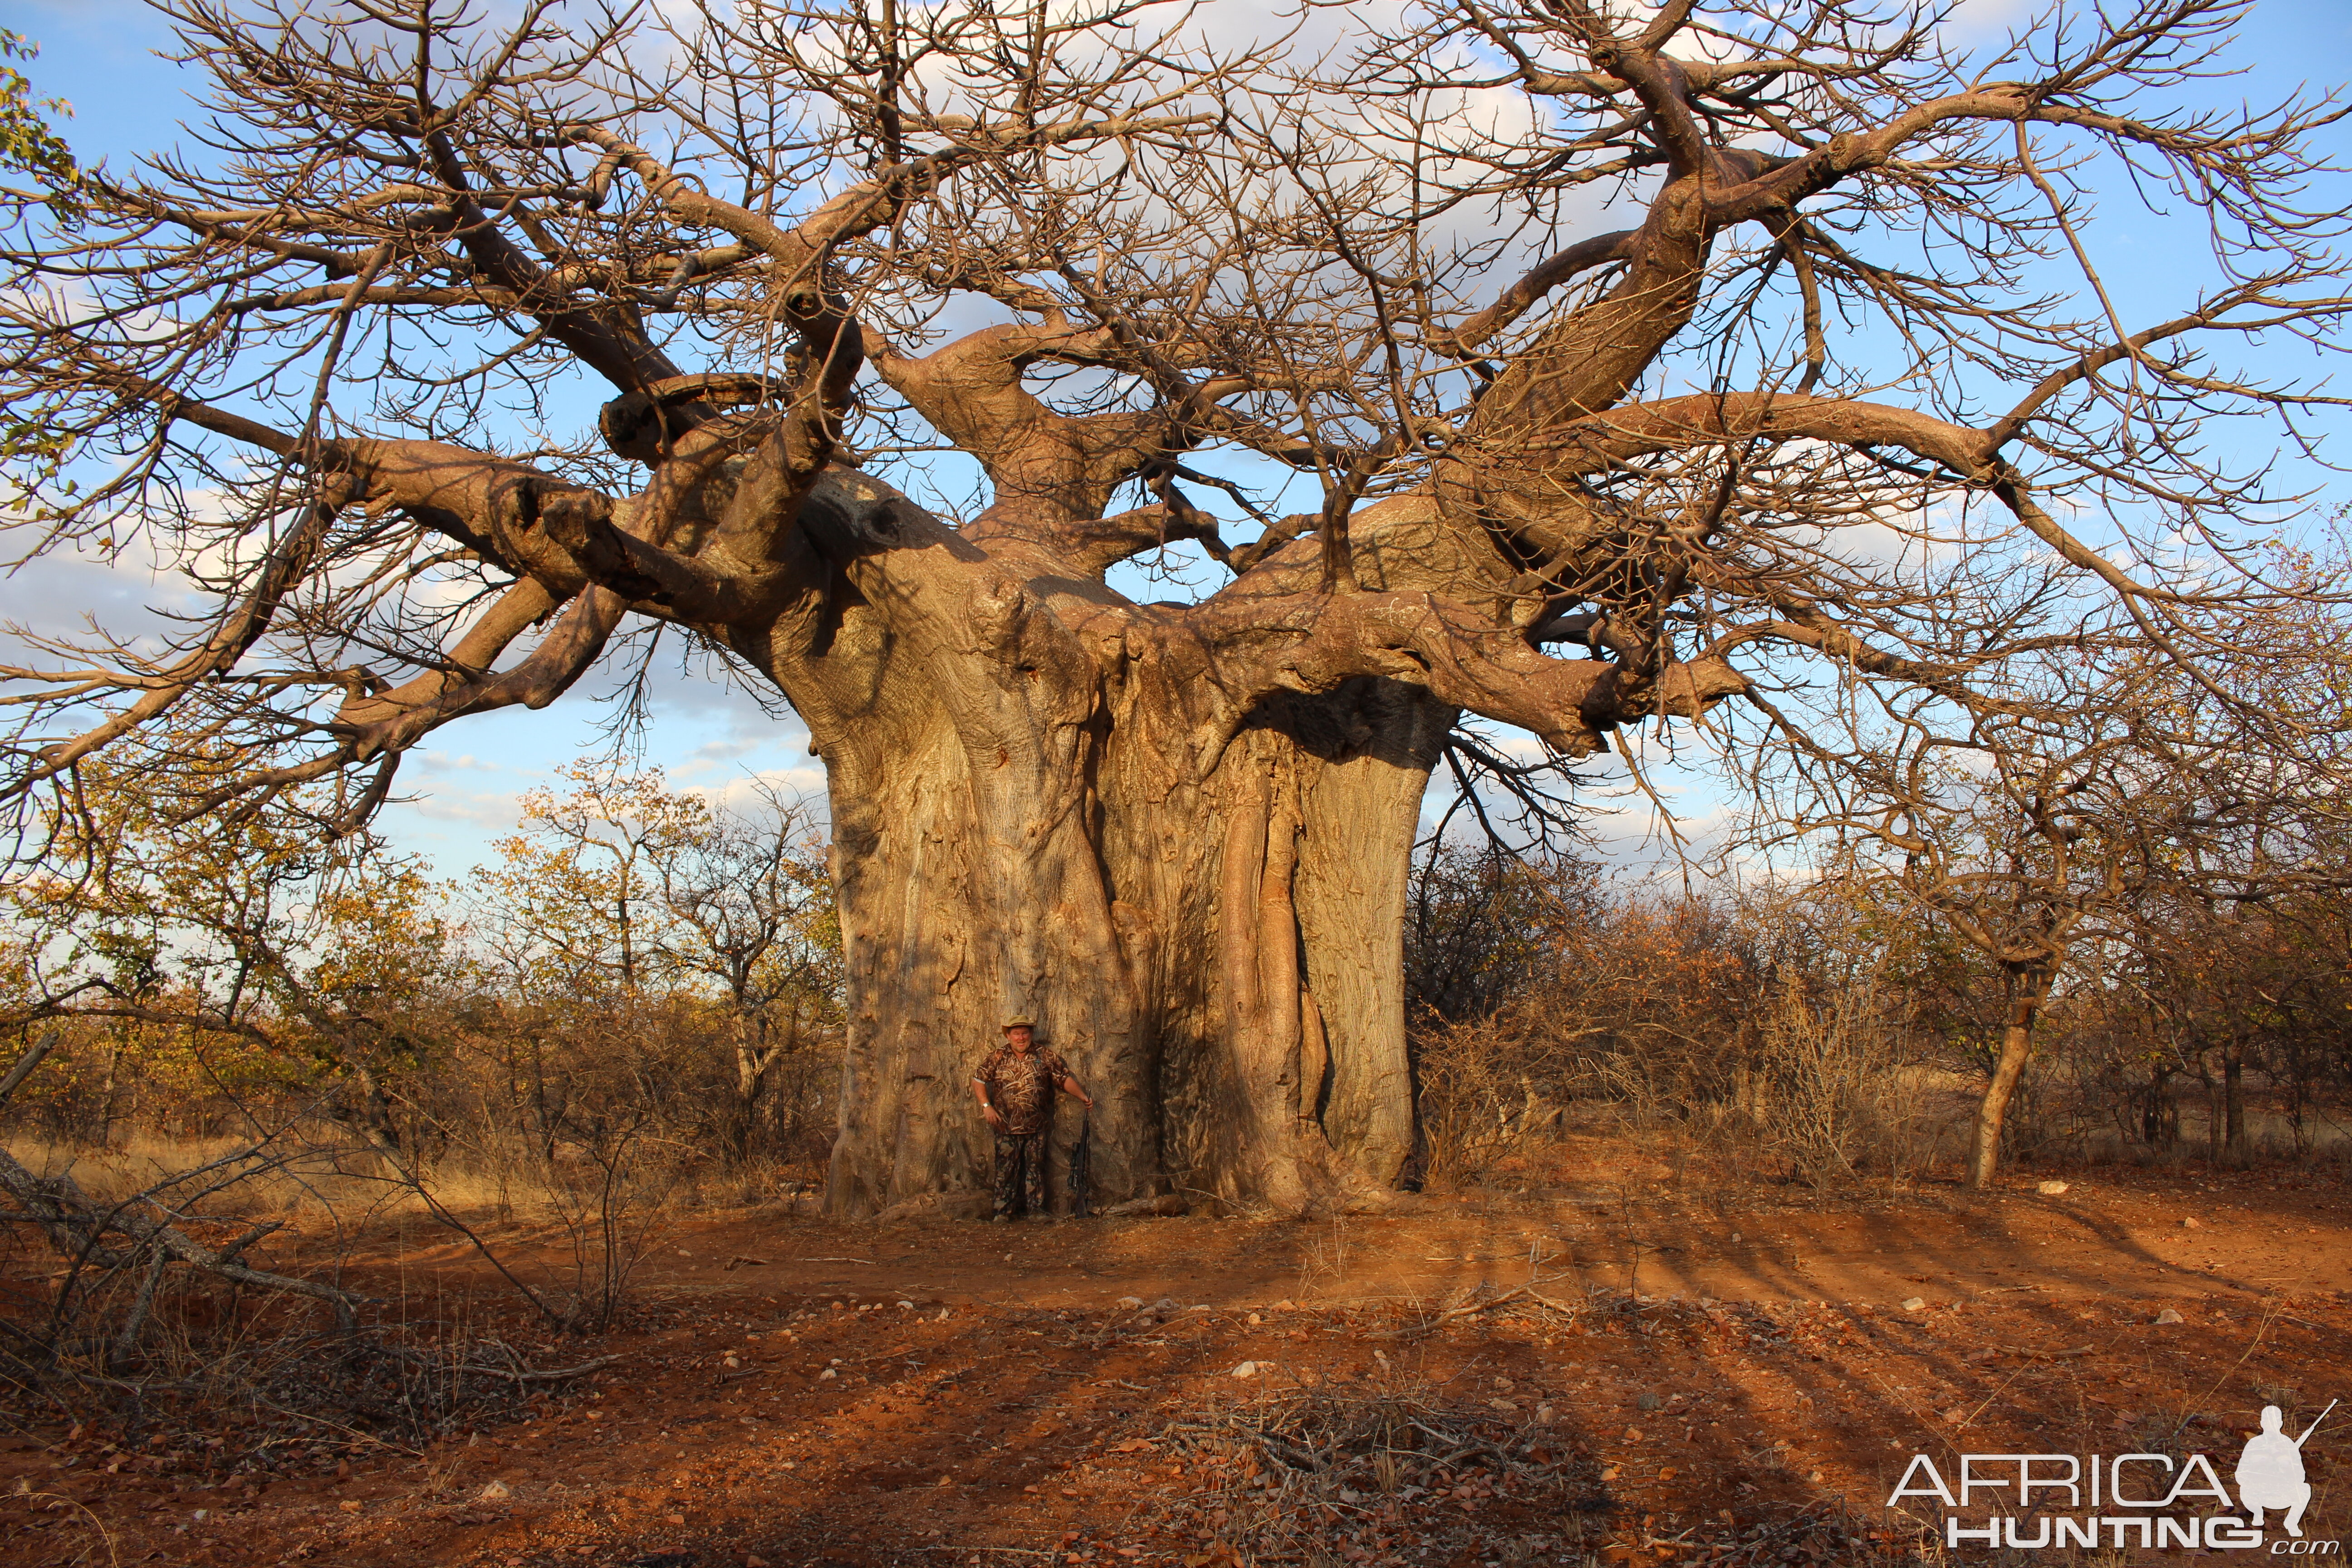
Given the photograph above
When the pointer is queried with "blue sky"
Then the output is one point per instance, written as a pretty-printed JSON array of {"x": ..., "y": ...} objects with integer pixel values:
[{"x": 102, "y": 55}]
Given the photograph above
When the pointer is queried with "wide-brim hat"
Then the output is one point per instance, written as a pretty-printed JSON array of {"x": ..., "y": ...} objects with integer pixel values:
[{"x": 1021, "y": 1021}]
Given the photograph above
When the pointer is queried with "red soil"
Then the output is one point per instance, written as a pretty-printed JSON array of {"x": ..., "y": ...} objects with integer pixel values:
[{"x": 1712, "y": 1374}]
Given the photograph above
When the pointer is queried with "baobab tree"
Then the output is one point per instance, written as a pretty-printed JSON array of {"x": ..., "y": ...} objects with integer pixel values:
[{"x": 1592, "y": 337}]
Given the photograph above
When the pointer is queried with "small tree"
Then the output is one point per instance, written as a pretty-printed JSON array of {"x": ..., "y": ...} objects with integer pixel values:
[
  {"x": 624, "y": 894},
  {"x": 2052, "y": 827},
  {"x": 754, "y": 916},
  {"x": 577, "y": 905}
]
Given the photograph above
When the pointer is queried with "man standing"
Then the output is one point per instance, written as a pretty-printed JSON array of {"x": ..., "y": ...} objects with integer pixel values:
[{"x": 1015, "y": 1086}]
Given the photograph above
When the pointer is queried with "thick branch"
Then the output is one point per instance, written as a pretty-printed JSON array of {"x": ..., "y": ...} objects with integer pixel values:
[{"x": 1313, "y": 642}]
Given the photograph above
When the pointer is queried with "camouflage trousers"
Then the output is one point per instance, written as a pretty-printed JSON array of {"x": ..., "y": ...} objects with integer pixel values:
[{"x": 1020, "y": 1172}]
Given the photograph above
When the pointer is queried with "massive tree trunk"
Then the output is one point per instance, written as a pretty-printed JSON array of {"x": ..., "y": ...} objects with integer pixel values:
[{"x": 1209, "y": 927}]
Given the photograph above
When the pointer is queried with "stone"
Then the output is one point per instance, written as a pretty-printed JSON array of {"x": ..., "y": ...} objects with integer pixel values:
[
  {"x": 2050, "y": 1189},
  {"x": 494, "y": 1491},
  {"x": 2190, "y": 1224},
  {"x": 1130, "y": 1303},
  {"x": 2169, "y": 1316},
  {"x": 1915, "y": 1303},
  {"x": 1249, "y": 1369},
  {"x": 1647, "y": 1401}
]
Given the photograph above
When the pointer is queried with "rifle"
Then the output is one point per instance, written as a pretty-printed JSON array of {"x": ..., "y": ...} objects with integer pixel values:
[
  {"x": 2315, "y": 1426},
  {"x": 1079, "y": 1155}
]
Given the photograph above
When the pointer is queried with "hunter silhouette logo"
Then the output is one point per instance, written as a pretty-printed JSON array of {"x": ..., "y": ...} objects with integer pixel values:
[
  {"x": 2270, "y": 1472},
  {"x": 2150, "y": 1500}
]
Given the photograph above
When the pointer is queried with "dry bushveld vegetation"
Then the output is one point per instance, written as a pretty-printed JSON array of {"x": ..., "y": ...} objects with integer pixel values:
[
  {"x": 255, "y": 1054},
  {"x": 1830, "y": 1033}
]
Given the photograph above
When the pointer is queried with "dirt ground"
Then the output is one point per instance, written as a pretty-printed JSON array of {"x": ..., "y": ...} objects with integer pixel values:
[{"x": 1623, "y": 1365}]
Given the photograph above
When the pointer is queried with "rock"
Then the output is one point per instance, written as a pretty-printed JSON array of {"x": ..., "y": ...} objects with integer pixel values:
[
  {"x": 1502, "y": 1404},
  {"x": 2169, "y": 1316},
  {"x": 1165, "y": 1305},
  {"x": 495, "y": 1492},
  {"x": 828, "y": 1372},
  {"x": 2190, "y": 1224},
  {"x": 1955, "y": 1415},
  {"x": 1543, "y": 1415},
  {"x": 1130, "y": 1303},
  {"x": 1647, "y": 1401},
  {"x": 1252, "y": 1368},
  {"x": 2050, "y": 1189},
  {"x": 937, "y": 1208},
  {"x": 1166, "y": 1205},
  {"x": 1915, "y": 1303}
]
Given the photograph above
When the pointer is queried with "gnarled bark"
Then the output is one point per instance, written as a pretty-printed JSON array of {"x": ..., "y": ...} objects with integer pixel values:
[{"x": 1209, "y": 929}]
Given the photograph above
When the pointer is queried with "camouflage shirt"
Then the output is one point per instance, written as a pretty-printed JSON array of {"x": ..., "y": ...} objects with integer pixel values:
[{"x": 1022, "y": 1087}]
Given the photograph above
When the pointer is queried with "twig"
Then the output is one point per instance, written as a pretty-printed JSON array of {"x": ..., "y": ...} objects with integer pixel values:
[
  {"x": 554, "y": 1375},
  {"x": 97, "y": 1524}
]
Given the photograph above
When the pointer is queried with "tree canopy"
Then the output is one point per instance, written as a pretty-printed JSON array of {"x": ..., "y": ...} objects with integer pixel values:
[{"x": 1641, "y": 314}]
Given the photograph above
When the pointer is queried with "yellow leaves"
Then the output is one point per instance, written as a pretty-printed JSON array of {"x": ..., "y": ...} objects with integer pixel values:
[{"x": 226, "y": 952}]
